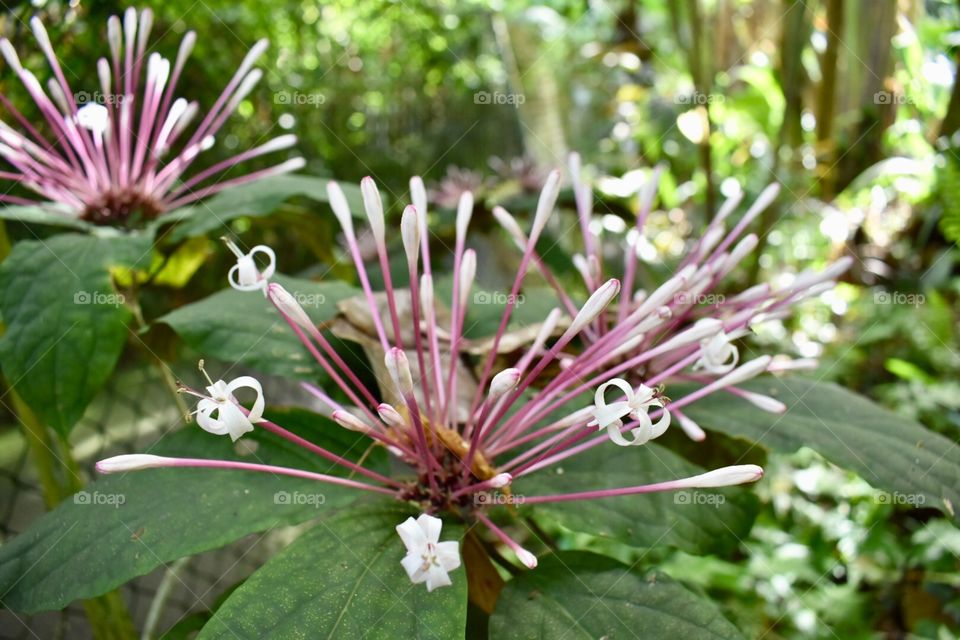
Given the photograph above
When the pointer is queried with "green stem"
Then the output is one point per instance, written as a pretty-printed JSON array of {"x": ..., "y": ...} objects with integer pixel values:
[
  {"x": 168, "y": 379},
  {"x": 107, "y": 614},
  {"x": 4, "y": 241},
  {"x": 41, "y": 450}
]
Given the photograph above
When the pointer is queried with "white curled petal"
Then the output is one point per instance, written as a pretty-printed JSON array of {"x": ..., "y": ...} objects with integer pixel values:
[
  {"x": 717, "y": 355},
  {"x": 271, "y": 267},
  {"x": 606, "y": 413},
  {"x": 256, "y": 411},
  {"x": 235, "y": 420},
  {"x": 240, "y": 278},
  {"x": 205, "y": 410},
  {"x": 660, "y": 426},
  {"x": 643, "y": 398},
  {"x": 609, "y": 414},
  {"x": 247, "y": 276},
  {"x": 613, "y": 431}
]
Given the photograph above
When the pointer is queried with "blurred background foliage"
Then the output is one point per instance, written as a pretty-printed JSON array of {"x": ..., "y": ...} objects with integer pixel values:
[{"x": 852, "y": 105}]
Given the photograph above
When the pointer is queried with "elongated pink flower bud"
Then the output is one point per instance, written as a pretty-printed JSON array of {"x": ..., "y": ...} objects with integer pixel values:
[
  {"x": 689, "y": 427},
  {"x": 548, "y": 199},
  {"x": 374, "y": 208},
  {"x": 338, "y": 202},
  {"x": 510, "y": 225},
  {"x": 288, "y": 306},
  {"x": 595, "y": 305},
  {"x": 703, "y": 329},
  {"x": 390, "y": 415},
  {"x": 131, "y": 462},
  {"x": 410, "y": 234},
  {"x": 810, "y": 279},
  {"x": 464, "y": 213},
  {"x": 500, "y": 480},
  {"x": 749, "y": 370},
  {"x": 350, "y": 422},
  {"x": 10, "y": 55},
  {"x": 762, "y": 401},
  {"x": 399, "y": 368},
  {"x": 503, "y": 382},
  {"x": 468, "y": 271},
  {"x": 722, "y": 477}
]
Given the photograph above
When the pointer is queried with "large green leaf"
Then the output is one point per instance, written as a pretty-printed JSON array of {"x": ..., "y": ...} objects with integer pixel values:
[
  {"x": 65, "y": 324},
  {"x": 123, "y": 526},
  {"x": 577, "y": 595},
  {"x": 697, "y": 522},
  {"x": 255, "y": 199},
  {"x": 244, "y": 327},
  {"x": 343, "y": 579},
  {"x": 49, "y": 213},
  {"x": 890, "y": 452}
]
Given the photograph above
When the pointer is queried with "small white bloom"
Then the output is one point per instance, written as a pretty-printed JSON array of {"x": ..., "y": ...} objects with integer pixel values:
[
  {"x": 230, "y": 418},
  {"x": 637, "y": 405},
  {"x": 717, "y": 355},
  {"x": 428, "y": 560},
  {"x": 245, "y": 275},
  {"x": 93, "y": 117}
]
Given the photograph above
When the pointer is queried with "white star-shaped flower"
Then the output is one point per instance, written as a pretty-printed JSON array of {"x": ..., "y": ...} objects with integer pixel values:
[
  {"x": 428, "y": 560},
  {"x": 230, "y": 419},
  {"x": 637, "y": 405}
]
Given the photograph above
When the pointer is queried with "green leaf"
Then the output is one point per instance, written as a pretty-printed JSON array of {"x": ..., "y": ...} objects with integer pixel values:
[
  {"x": 254, "y": 199},
  {"x": 698, "y": 522},
  {"x": 889, "y": 451},
  {"x": 65, "y": 324},
  {"x": 577, "y": 595},
  {"x": 343, "y": 579},
  {"x": 50, "y": 214},
  {"x": 123, "y": 526},
  {"x": 244, "y": 327}
]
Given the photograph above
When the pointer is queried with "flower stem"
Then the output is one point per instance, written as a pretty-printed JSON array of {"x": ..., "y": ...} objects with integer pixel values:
[
  {"x": 140, "y": 324},
  {"x": 107, "y": 614}
]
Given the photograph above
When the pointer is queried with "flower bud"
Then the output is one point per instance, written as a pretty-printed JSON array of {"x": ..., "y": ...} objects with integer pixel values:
[
  {"x": 595, "y": 305},
  {"x": 349, "y": 421},
  {"x": 288, "y": 306},
  {"x": 338, "y": 202},
  {"x": 399, "y": 368},
  {"x": 723, "y": 477},
  {"x": 131, "y": 462},
  {"x": 374, "y": 208},
  {"x": 390, "y": 415},
  {"x": 503, "y": 382}
]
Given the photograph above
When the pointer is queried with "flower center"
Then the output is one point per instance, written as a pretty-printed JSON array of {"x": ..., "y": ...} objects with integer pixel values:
[
  {"x": 121, "y": 206},
  {"x": 429, "y": 557}
]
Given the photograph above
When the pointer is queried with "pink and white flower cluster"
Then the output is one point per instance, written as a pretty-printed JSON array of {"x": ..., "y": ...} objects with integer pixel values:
[
  {"x": 124, "y": 148},
  {"x": 469, "y": 430}
]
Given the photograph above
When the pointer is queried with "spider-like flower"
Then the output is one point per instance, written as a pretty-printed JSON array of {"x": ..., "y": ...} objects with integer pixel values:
[
  {"x": 679, "y": 331},
  {"x": 463, "y": 432},
  {"x": 637, "y": 406},
  {"x": 121, "y": 150}
]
